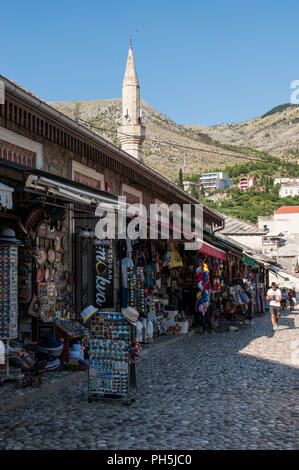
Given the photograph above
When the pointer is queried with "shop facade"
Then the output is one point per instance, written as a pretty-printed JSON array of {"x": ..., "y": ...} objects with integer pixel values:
[{"x": 53, "y": 173}]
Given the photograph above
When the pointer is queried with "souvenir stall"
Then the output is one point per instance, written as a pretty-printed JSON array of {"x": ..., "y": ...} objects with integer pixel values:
[
  {"x": 211, "y": 276},
  {"x": 153, "y": 283},
  {"x": 9, "y": 246},
  {"x": 46, "y": 280},
  {"x": 238, "y": 295},
  {"x": 112, "y": 354}
]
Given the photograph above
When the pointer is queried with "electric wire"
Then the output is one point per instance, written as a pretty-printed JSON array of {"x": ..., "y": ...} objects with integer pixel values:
[{"x": 177, "y": 145}]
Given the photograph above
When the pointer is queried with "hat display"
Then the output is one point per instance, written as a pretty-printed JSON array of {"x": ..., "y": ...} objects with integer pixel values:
[
  {"x": 9, "y": 236},
  {"x": 53, "y": 364},
  {"x": 130, "y": 314},
  {"x": 88, "y": 312},
  {"x": 50, "y": 345}
]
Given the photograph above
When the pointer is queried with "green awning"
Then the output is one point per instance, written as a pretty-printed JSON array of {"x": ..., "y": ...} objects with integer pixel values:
[{"x": 249, "y": 261}]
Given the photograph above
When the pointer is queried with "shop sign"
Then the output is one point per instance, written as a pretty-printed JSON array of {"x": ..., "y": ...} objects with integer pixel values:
[{"x": 103, "y": 274}]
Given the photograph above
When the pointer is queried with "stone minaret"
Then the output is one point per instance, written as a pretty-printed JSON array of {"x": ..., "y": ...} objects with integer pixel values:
[{"x": 131, "y": 134}]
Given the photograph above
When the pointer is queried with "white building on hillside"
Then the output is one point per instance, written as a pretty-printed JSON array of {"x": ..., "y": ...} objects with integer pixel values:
[
  {"x": 188, "y": 185},
  {"x": 285, "y": 180},
  {"x": 290, "y": 188},
  {"x": 212, "y": 181}
]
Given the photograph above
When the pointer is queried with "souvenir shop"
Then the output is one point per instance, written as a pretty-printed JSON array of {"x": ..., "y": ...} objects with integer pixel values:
[
  {"x": 241, "y": 296},
  {"x": 37, "y": 275},
  {"x": 230, "y": 284}
]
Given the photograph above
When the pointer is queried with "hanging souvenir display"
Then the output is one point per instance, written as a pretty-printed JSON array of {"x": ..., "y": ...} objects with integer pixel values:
[{"x": 9, "y": 292}]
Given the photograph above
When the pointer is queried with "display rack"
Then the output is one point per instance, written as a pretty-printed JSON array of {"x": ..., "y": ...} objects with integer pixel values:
[
  {"x": 111, "y": 376},
  {"x": 8, "y": 300}
]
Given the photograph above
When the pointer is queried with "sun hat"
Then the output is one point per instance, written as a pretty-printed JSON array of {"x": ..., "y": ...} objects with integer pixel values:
[
  {"x": 9, "y": 236},
  {"x": 130, "y": 314},
  {"x": 50, "y": 345},
  {"x": 88, "y": 312},
  {"x": 53, "y": 364}
]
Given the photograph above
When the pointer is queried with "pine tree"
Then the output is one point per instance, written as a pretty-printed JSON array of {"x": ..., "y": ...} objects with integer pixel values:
[{"x": 180, "y": 183}]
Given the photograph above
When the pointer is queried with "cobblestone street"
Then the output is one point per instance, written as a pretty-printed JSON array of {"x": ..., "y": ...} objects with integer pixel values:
[{"x": 231, "y": 390}]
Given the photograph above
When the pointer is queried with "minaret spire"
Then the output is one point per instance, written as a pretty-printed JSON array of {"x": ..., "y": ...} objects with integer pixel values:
[{"x": 131, "y": 134}]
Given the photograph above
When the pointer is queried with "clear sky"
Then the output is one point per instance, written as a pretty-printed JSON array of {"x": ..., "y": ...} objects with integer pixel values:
[{"x": 198, "y": 62}]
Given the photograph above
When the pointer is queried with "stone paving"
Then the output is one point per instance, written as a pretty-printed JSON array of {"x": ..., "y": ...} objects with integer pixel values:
[{"x": 230, "y": 390}]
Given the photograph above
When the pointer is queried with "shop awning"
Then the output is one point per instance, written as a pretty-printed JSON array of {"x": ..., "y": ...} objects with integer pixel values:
[
  {"x": 211, "y": 250},
  {"x": 249, "y": 261},
  {"x": 68, "y": 192}
]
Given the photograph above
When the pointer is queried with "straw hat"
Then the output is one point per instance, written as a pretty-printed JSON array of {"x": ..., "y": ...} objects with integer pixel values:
[{"x": 130, "y": 314}]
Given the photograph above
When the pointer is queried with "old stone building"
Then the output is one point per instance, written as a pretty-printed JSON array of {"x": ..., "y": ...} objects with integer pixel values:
[{"x": 58, "y": 170}]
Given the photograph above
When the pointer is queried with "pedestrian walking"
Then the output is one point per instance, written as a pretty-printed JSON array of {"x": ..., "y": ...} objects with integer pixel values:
[
  {"x": 291, "y": 300},
  {"x": 275, "y": 297},
  {"x": 205, "y": 318},
  {"x": 294, "y": 296},
  {"x": 284, "y": 299}
]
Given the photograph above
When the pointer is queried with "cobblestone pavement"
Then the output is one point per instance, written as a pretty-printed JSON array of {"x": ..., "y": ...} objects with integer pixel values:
[{"x": 231, "y": 390}]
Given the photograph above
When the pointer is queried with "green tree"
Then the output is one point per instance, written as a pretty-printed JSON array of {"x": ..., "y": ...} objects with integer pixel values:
[
  {"x": 194, "y": 192},
  {"x": 180, "y": 182}
]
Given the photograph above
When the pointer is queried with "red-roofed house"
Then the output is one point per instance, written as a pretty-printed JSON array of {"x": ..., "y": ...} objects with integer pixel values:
[
  {"x": 287, "y": 210},
  {"x": 284, "y": 220}
]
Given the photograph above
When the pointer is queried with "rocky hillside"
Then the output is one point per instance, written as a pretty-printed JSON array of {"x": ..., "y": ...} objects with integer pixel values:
[
  {"x": 104, "y": 116},
  {"x": 276, "y": 132}
]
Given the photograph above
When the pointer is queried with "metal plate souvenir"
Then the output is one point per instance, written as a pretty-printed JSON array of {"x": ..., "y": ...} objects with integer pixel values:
[
  {"x": 51, "y": 256},
  {"x": 58, "y": 257},
  {"x": 52, "y": 289},
  {"x": 47, "y": 274},
  {"x": 57, "y": 243},
  {"x": 40, "y": 256}
]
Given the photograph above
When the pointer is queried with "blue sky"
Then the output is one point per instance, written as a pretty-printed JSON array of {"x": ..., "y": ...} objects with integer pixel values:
[{"x": 198, "y": 62}]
